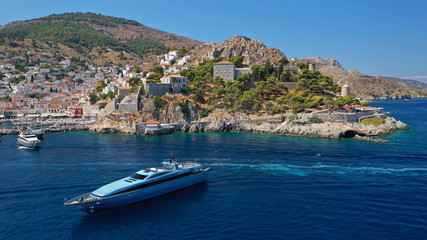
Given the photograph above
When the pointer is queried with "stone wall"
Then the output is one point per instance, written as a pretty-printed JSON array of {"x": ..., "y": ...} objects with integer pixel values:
[
  {"x": 349, "y": 117},
  {"x": 111, "y": 106},
  {"x": 128, "y": 107},
  {"x": 157, "y": 89}
]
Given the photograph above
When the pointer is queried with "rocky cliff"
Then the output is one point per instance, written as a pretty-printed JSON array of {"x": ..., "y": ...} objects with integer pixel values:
[
  {"x": 171, "y": 112},
  {"x": 253, "y": 51},
  {"x": 361, "y": 85}
]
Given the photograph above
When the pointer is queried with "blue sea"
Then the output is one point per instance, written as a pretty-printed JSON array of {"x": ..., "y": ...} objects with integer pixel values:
[{"x": 260, "y": 186}]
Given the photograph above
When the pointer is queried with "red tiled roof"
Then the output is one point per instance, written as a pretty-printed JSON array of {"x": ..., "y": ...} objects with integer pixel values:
[{"x": 152, "y": 122}]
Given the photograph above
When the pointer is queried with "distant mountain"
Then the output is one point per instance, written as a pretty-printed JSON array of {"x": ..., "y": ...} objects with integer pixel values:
[
  {"x": 93, "y": 35},
  {"x": 410, "y": 83},
  {"x": 361, "y": 85},
  {"x": 422, "y": 79}
]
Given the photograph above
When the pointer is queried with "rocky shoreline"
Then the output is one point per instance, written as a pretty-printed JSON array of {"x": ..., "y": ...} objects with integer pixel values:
[
  {"x": 321, "y": 130},
  {"x": 333, "y": 130}
]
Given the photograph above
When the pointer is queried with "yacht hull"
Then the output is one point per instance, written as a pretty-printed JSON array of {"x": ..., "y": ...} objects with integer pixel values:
[
  {"x": 31, "y": 144},
  {"x": 137, "y": 195}
]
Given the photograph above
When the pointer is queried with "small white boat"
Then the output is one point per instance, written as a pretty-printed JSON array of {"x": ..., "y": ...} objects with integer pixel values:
[
  {"x": 28, "y": 140},
  {"x": 142, "y": 185}
]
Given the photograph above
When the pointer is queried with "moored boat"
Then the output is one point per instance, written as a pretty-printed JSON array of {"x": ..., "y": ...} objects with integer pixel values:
[
  {"x": 36, "y": 131},
  {"x": 142, "y": 185},
  {"x": 28, "y": 140}
]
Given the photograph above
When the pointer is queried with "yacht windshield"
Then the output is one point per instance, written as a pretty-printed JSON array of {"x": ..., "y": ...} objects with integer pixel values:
[{"x": 138, "y": 176}]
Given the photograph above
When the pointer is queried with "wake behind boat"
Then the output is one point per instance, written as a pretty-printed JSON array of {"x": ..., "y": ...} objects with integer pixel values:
[{"x": 142, "y": 185}]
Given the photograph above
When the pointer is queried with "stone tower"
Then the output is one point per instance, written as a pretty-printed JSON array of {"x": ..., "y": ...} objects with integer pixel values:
[
  {"x": 345, "y": 90},
  {"x": 312, "y": 67}
]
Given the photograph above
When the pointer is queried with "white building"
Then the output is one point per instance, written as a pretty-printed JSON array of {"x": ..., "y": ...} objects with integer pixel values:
[
  {"x": 177, "y": 82},
  {"x": 185, "y": 59}
]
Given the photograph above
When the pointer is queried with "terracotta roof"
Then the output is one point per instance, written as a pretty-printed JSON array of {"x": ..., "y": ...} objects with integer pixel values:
[
  {"x": 152, "y": 122},
  {"x": 174, "y": 75}
]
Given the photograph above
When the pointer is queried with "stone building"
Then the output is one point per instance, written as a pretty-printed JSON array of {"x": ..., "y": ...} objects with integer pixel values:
[
  {"x": 225, "y": 70},
  {"x": 174, "y": 83}
]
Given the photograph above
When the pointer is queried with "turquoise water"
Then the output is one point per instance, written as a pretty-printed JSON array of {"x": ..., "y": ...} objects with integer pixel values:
[{"x": 260, "y": 186}]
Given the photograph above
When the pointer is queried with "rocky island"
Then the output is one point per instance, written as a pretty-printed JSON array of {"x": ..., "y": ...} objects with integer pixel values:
[{"x": 121, "y": 76}]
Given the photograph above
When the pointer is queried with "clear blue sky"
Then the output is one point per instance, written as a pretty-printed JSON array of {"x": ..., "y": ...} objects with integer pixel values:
[{"x": 376, "y": 37}]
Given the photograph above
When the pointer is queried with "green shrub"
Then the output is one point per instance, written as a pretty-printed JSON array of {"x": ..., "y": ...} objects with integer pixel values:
[
  {"x": 315, "y": 120},
  {"x": 159, "y": 102},
  {"x": 374, "y": 121},
  {"x": 283, "y": 118},
  {"x": 203, "y": 112}
]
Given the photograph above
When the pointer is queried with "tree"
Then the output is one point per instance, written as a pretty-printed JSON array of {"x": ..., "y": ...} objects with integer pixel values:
[
  {"x": 284, "y": 61},
  {"x": 256, "y": 69},
  {"x": 137, "y": 69},
  {"x": 347, "y": 100},
  {"x": 302, "y": 65},
  {"x": 285, "y": 76},
  {"x": 93, "y": 98},
  {"x": 268, "y": 68},
  {"x": 157, "y": 69},
  {"x": 134, "y": 81},
  {"x": 238, "y": 61}
]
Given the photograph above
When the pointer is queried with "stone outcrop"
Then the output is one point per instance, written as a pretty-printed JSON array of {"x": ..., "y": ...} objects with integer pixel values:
[
  {"x": 171, "y": 112},
  {"x": 361, "y": 85},
  {"x": 252, "y": 51},
  {"x": 323, "y": 130}
]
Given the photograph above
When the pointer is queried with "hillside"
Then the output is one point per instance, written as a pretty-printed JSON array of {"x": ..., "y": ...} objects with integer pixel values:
[
  {"x": 361, "y": 85},
  {"x": 410, "y": 83},
  {"x": 92, "y": 36}
]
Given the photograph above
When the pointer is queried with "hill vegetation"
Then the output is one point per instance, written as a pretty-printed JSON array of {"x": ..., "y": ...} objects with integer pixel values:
[
  {"x": 81, "y": 37},
  {"x": 268, "y": 95},
  {"x": 93, "y": 36}
]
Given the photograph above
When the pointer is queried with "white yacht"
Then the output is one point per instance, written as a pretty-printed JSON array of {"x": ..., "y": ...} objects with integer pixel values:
[
  {"x": 142, "y": 185},
  {"x": 28, "y": 140},
  {"x": 36, "y": 131}
]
